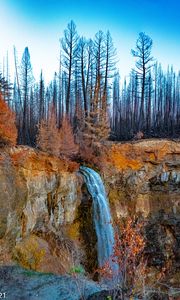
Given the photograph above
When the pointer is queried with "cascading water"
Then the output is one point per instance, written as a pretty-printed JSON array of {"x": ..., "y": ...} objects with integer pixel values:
[{"x": 101, "y": 217}]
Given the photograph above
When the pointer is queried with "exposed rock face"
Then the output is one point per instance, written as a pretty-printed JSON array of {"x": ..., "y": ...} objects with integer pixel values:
[
  {"x": 144, "y": 179},
  {"x": 144, "y": 176},
  {"x": 39, "y": 195},
  {"x": 46, "y": 212}
]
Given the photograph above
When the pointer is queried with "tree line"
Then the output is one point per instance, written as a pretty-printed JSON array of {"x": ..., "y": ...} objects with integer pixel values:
[
  {"x": 149, "y": 105},
  {"x": 87, "y": 96}
]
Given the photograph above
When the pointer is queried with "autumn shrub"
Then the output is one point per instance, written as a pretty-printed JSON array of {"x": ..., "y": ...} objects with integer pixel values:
[
  {"x": 72, "y": 166},
  {"x": 8, "y": 131},
  {"x": 128, "y": 249}
]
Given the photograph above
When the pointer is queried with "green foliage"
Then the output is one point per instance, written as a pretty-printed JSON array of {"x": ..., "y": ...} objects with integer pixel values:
[
  {"x": 77, "y": 270},
  {"x": 31, "y": 273}
]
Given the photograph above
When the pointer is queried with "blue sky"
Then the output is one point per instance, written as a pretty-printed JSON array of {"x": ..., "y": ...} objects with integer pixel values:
[{"x": 39, "y": 25}]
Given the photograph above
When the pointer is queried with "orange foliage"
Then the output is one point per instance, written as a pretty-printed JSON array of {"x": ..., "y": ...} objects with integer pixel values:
[
  {"x": 8, "y": 131},
  {"x": 128, "y": 249},
  {"x": 19, "y": 155},
  {"x": 129, "y": 244},
  {"x": 59, "y": 142},
  {"x": 68, "y": 147},
  {"x": 37, "y": 162},
  {"x": 87, "y": 154},
  {"x": 48, "y": 135}
]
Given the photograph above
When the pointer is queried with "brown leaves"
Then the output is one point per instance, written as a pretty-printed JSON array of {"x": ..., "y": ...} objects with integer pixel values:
[
  {"x": 128, "y": 249},
  {"x": 48, "y": 135},
  {"x": 68, "y": 147},
  {"x": 130, "y": 243},
  {"x": 55, "y": 141}
]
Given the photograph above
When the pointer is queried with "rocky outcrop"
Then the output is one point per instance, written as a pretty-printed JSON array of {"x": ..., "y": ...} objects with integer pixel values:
[
  {"x": 18, "y": 283},
  {"x": 143, "y": 178},
  {"x": 39, "y": 199}
]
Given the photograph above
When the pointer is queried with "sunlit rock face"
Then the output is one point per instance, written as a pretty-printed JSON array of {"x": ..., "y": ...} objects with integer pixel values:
[
  {"x": 43, "y": 190},
  {"x": 39, "y": 195},
  {"x": 143, "y": 178},
  {"x": 54, "y": 197}
]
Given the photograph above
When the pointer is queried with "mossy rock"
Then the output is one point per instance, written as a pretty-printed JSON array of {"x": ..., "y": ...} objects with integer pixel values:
[
  {"x": 30, "y": 252},
  {"x": 72, "y": 230}
]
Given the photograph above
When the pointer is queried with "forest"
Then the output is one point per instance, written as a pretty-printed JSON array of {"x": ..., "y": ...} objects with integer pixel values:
[{"x": 87, "y": 100}]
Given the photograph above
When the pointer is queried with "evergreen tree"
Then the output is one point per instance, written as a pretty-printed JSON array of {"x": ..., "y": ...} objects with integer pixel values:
[
  {"x": 97, "y": 128},
  {"x": 68, "y": 148},
  {"x": 26, "y": 84},
  {"x": 69, "y": 45},
  {"x": 143, "y": 67},
  {"x": 48, "y": 135}
]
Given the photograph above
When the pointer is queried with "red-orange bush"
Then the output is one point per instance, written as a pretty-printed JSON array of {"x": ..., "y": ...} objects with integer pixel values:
[
  {"x": 128, "y": 249},
  {"x": 68, "y": 147},
  {"x": 8, "y": 130}
]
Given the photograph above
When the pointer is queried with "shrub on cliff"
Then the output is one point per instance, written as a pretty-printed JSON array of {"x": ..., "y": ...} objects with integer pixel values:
[
  {"x": 8, "y": 131},
  {"x": 128, "y": 256}
]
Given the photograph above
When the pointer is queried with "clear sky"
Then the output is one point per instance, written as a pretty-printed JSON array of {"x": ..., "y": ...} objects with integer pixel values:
[{"x": 39, "y": 24}]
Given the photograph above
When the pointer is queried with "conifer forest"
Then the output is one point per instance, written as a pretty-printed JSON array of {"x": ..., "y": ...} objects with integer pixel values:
[{"x": 89, "y": 93}]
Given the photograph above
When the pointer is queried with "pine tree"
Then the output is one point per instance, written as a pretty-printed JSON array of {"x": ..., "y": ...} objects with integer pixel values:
[
  {"x": 5, "y": 87},
  {"x": 144, "y": 64},
  {"x": 96, "y": 128},
  {"x": 69, "y": 46},
  {"x": 48, "y": 135},
  {"x": 68, "y": 147},
  {"x": 8, "y": 131},
  {"x": 26, "y": 84}
]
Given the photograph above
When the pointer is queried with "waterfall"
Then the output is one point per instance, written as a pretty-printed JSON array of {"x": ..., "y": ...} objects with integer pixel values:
[{"x": 101, "y": 216}]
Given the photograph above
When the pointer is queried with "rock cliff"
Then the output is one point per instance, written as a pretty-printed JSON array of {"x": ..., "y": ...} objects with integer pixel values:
[
  {"x": 46, "y": 211},
  {"x": 143, "y": 178},
  {"x": 39, "y": 199}
]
